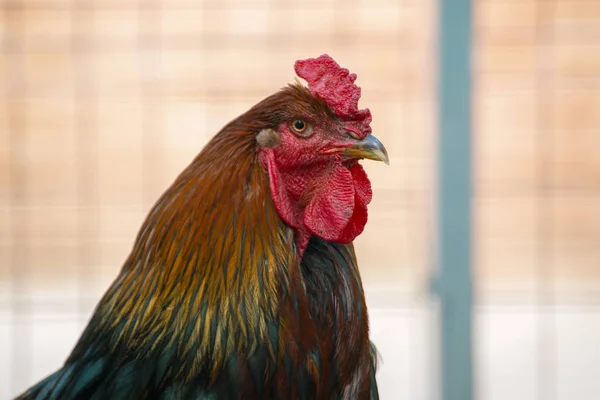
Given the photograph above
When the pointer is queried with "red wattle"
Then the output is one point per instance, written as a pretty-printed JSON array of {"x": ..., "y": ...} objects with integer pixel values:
[
  {"x": 363, "y": 196},
  {"x": 332, "y": 205}
]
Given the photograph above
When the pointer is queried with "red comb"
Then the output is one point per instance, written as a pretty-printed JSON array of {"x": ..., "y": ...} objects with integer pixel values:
[{"x": 334, "y": 84}]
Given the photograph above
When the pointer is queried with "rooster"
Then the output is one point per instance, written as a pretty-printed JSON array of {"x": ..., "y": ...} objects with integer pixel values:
[{"x": 243, "y": 281}]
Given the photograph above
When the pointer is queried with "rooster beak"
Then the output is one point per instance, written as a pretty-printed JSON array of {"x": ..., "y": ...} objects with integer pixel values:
[{"x": 370, "y": 148}]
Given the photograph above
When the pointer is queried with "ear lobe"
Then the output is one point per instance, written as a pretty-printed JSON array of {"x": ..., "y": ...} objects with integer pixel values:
[{"x": 268, "y": 138}]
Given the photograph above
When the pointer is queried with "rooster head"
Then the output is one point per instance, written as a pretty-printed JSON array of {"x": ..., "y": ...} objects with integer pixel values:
[{"x": 311, "y": 150}]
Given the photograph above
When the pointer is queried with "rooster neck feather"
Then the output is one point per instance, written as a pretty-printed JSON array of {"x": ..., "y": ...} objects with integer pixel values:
[
  {"x": 212, "y": 258},
  {"x": 214, "y": 301}
]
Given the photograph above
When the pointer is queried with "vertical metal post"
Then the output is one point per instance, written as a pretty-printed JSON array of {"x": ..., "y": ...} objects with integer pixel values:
[{"x": 453, "y": 282}]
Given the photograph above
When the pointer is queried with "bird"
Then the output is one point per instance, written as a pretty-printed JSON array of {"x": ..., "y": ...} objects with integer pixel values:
[{"x": 243, "y": 281}]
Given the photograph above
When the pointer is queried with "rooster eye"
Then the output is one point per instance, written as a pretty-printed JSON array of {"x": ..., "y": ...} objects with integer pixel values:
[{"x": 301, "y": 127}]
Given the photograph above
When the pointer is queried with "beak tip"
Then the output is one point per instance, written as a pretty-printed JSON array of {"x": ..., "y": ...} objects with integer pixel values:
[
  {"x": 379, "y": 151},
  {"x": 369, "y": 148},
  {"x": 383, "y": 155}
]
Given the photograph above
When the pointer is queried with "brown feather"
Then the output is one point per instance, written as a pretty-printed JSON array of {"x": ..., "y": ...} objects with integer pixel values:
[{"x": 214, "y": 298}]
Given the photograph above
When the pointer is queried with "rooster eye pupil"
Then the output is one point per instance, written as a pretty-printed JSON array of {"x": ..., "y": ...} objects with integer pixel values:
[{"x": 299, "y": 125}]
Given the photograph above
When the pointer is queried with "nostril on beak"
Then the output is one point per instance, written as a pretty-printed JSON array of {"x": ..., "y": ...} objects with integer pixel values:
[{"x": 352, "y": 135}]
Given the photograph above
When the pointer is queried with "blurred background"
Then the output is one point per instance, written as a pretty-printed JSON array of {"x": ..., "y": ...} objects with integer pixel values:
[{"x": 104, "y": 102}]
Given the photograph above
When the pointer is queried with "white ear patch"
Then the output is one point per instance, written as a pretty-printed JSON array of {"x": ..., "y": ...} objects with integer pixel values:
[{"x": 268, "y": 138}]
